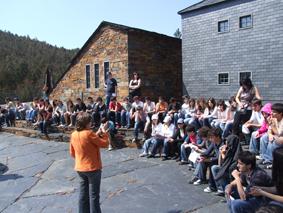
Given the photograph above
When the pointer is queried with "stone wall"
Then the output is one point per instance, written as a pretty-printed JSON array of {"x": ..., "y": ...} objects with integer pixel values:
[
  {"x": 109, "y": 45},
  {"x": 258, "y": 50},
  {"x": 157, "y": 58}
]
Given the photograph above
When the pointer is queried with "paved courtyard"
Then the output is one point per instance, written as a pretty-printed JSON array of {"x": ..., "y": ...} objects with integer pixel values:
[{"x": 41, "y": 179}]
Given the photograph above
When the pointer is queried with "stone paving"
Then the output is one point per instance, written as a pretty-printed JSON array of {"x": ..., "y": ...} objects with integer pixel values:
[{"x": 41, "y": 179}]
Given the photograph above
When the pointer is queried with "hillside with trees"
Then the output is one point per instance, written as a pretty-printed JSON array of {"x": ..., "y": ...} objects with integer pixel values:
[{"x": 23, "y": 64}]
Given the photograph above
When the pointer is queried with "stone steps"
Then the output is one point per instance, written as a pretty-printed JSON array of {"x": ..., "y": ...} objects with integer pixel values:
[{"x": 62, "y": 134}]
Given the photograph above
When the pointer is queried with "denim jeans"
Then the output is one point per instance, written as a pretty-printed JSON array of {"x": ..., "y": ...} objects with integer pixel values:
[
  {"x": 266, "y": 148},
  {"x": 125, "y": 118},
  {"x": 138, "y": 125},
  {"x": 43, "y": 126},
  {"x": 156, "y": 145},
  {"x": 202, "y": 174},
  {"x": 185, "y": 152},
  {"x": 166, "y": 145},
  {"x": 148, "y": 143},
  {"x": 89, "y": 192},
  {"x": 222, "y": 182},
  {"x": 227, "y": 129},
  {"x": 254, "y": 143},
  {"x": 244, "y": 206}
]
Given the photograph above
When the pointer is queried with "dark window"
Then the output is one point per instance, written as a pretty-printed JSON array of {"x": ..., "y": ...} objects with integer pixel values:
[
  {"x": 246, "y": 21},
  {"x": 96, "y": 75},
  {"x": 87, "y": 76},
  {"x": 223, "y": 26},
  {"x": 106, "y": 70},
  {"x": 244, "y": 75},
  {"x": 223, "y": 78}
]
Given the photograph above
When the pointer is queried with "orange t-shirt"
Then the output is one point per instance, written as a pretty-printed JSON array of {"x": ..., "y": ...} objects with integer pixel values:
[{"x": 85, "y": 148}]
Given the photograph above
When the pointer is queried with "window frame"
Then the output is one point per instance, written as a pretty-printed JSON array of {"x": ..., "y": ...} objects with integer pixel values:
[
  {"x": 87, "y": 76},
  {"x": 218, "y": 80},
  {"x": 245, "y": 16},
  {"x": 218, "y": 26},
  {"x": 104, "y": 71},
  {"x": 96, "y": 73}
]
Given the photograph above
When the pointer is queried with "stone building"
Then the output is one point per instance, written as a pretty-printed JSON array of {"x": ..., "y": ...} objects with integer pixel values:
[
  {"x": 226, "y": 40},
  {"x": 123, "y": 50}
]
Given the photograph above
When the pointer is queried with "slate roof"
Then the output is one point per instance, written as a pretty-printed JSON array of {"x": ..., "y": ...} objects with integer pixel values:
[{"x": 200, "y": 5}]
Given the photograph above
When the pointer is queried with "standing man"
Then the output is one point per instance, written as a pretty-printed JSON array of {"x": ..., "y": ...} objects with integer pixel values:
[{"x": 111, "y": 88}]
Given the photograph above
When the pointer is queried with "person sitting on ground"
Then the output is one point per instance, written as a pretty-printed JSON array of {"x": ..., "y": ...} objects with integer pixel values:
[
  {"x": 161, "y": 107},
  {"x": 209, "y": 158},
  {"x": 227, "y": 123},
  {"x": 246, "y": 94},
  {"x": 156, "y": 132},
  {"x": 59, "y": 112},
  {"x": 221, "y": 115},
  {"x": 10, "y": 115},
  {"x": 126, "y": 113},
  {"x": 85, "y": 149},
  {"x": 210, "y": 113},
  {"x": 255, "y": 121},
  {"x": 139, "y": 117},
  {"x": 32, "y": 113},
  {"x": 239, "y": 199},
  {"x": 90, "y": 105},
  {"x": 185, "y": 106},
  {"x": 69, "y": 111},
  {"x": 46, "y": 117},
  {"x": 256, "y": 135},
  {"x": 21, "y": 109},
  {"x": 174, "y": 108},
  {"x": 274, "y": 137},
  {"x": 167, "y": 131},
  {"x": 107, "y": 126},
  {"x": 201, "y": 148},
  {"x": 274, "y": 194},
  {"x": 198, "y": 115},
  {"x": 79, "y": 107},
  {"x": 179, "y": 136},
  {"x": 99, "y": 111},
  {"x": 191, "y": 111},
  {"x": 149, "y": 110},
  {"x": 186, "y": 147},
  {"x": 227, "y": 162},
  {"x": 114, "y": 113}
]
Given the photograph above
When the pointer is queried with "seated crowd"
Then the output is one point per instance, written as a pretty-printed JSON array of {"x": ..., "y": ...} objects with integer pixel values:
[{"x": 205, "y": 135}]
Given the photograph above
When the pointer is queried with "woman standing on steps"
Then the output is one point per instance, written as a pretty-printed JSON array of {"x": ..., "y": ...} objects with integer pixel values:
[{"x": 85, "y": 148}]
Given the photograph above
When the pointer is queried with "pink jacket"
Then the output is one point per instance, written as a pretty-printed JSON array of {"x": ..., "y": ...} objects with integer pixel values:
[{"x": 263, "y": 129}]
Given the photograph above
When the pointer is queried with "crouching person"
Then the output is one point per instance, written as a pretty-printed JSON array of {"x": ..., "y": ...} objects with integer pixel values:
[{"x": 85, "y": 148}]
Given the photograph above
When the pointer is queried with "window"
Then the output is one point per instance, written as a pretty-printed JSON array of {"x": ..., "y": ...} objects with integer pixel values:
[
  {"x": 106, "y": 70},
  {"x": 244, "y": 75},
  {"x": 246, "y": 22},
  {"x": 96, "y": 75},
  {"x": 223, "y": 26},
  {"x": 87, "y": 76},
  {"x": 223, "y": 78}
]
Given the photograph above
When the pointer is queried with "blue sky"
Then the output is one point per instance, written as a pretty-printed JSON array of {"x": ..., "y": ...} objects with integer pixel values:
[{"x": 69, "y": 23}]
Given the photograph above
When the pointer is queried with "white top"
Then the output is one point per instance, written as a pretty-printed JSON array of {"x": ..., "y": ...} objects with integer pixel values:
[
  {"x": 168, "y": 131},
  {"x": 256, "y": 118},
  {"x": 156, "y": 130},
  {"x": 149, "y": 107}
]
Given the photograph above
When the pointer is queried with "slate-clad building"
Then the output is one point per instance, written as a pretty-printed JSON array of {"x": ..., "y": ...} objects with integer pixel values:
[
  {"x": 123, "y": 50},
  {"x": 226, "y": 40}
]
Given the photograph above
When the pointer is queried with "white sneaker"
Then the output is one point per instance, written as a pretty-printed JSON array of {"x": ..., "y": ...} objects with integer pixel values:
[
  {"x": 143, "y": 154},
  {"x": 208, "y": 190},
  {"x": 258, "y": 157},
  {"x": 197, "y": 182},
  {"x": 110, "y": 148}
]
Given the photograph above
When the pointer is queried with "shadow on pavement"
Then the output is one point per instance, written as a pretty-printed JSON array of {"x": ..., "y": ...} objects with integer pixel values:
[{"x": 10, "y": 177}]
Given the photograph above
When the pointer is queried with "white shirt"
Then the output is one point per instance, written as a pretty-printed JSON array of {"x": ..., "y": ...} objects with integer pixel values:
[{"x": 167, "y": 131}]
